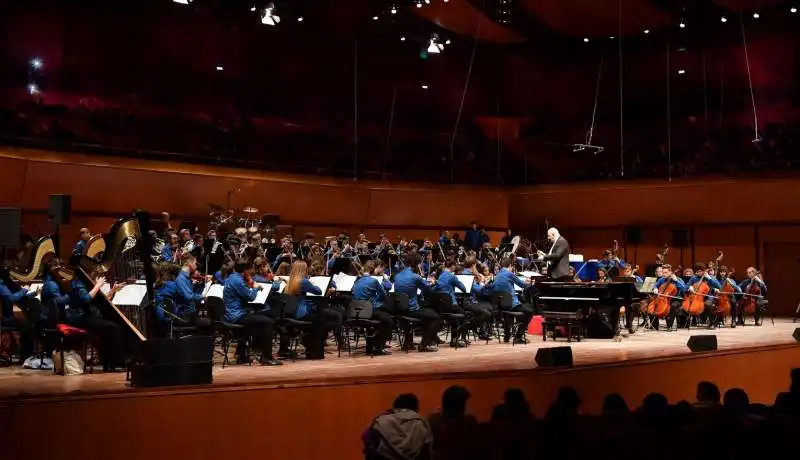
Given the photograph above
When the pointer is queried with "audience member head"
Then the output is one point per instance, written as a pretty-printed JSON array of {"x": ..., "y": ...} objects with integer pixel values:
[
  {"x": 736, "y": 402},
  {"x": 654, "y": 404},
  {"x": 454, "y": 401},
  {"x": 614, "y": 404},
  {"x": 515, "y": 402},
  {"x": 707, "y": 392},
  {"x": 406, "y": 401}
]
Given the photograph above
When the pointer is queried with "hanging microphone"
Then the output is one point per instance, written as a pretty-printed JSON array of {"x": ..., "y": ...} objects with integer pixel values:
[{"x": 592, "y": 148}]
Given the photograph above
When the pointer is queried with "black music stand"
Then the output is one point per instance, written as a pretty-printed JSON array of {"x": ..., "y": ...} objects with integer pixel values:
[{"x": 342, "y": 265}]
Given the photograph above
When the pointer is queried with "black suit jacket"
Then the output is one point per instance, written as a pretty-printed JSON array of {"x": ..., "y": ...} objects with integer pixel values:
[{"x": 558, "y": 259}]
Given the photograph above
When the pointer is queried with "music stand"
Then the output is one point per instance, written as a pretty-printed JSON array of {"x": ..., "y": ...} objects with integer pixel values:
[{"x": 342, "y": 265}]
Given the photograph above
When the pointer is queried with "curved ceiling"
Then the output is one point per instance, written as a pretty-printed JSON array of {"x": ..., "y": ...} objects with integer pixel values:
[{"x": 461, "y": 17}]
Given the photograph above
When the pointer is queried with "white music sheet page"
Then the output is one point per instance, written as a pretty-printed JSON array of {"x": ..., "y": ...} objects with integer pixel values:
[
  {"x": 281, "y": 286},
  {"x": 206, "y": 288},
  {"x": 215, "y": 291},
  {"x": 517, "y": 288},
  {"x": 466, "y": 280},
  {"x": 419, "y": 291},
  {"x": 530, "y": 274},
  {"x": 344, "y": 282},
  {"x": 285, "y": 279},
  {"x": 261, "y": 296},
  {"x": 130, "y": 294},
  {"x": 322, "y": 283}
]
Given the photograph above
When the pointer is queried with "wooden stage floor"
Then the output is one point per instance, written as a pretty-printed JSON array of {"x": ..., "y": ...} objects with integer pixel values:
[{"x": 478, "y": 358}]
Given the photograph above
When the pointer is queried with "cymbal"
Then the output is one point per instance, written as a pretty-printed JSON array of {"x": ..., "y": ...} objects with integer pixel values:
[{"x": 250, "y": 210}]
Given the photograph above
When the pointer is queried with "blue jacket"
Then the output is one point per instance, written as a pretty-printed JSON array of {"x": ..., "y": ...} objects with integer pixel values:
[
  {"x": 167, "y": 291},
  {"x": 407, "y": 282},
  {"x": 185, "y": 298},
  {"x": 9, "y": 300},
  {"x": 305, "y": 306},
  {"x": 368, "y": 288},
  {"x": 166, "y": 253},
  {"x": 477, "y": 289},
  {"x": 79, "y": 303},
  {"x": 505, "y": 281},
  {"x": 745, "y": 285},
  {"x": 448, "y": 282},
  {"x": 712, "y": 282},
  {"x": 79, "y": 248},
  {"x": 51, "y": 291},
  {"x": 679, "y": 283},
  {"x": 236, "y": 295}
]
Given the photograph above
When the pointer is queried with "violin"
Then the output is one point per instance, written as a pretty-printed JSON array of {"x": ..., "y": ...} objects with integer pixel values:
[{"x": 248, "y": 279}]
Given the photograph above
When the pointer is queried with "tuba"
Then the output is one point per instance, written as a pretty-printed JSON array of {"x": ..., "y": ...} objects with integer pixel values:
[{"x": 42, "y": 252}]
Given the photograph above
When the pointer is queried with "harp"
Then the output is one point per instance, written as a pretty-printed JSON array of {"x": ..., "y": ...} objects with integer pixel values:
[
  {"x": 96, "y": 247},
  {"x": 42, "y": 252},
  {"x": 121, "y": 262}
]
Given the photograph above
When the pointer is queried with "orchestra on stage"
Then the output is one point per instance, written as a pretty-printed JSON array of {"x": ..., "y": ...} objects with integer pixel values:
[{"x": 275, "y": 299}]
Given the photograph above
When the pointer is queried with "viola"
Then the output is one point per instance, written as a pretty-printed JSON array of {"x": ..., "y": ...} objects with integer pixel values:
[
  {"x": 694, "y": 303},
  {"x": 660, "y": 304}
]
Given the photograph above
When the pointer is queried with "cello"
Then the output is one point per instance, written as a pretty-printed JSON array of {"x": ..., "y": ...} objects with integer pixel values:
[
  {"x": 751, "y": 296},
  {"x": 660, "y": 304},
  {"x": 723, "y": 303},
  {"x": 694, "y": 302}
]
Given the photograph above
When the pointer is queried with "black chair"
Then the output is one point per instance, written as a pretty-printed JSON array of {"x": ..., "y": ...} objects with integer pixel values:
[
  {"x": 504, "y": 303},
  {"x": 12, "y": 331},
  {"x": 398, "y": 305},
  {"x": 295, "y": 328},
  {"x": 225, "y": 331},
  {"x": 357, "y": 321},
  {"x": 44, "y": 328},
  {"x": 439, "y": 302}
]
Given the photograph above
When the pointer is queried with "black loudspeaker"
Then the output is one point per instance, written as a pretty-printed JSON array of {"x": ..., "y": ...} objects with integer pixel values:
[
  {"x": 270, "y": 220},
  {"x": 698, "y": 343},
  {"x": 168, "y": 362},
  {"x": 633, "y": 235},
  {"x": 60, "y": 208},
  {"x": 10, "y": 227},
  {"x": 680, "y": 238},
  {"x": 796, "y": 334},
  {"x": 554, "y": 357}
]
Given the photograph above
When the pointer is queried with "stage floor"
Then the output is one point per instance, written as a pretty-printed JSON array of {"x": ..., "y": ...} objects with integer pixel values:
[{"x": 478, "y": 358}]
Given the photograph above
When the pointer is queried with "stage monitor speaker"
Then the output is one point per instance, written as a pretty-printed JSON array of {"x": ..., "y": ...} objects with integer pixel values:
[
  {"x": 10, "y": 227},
  {"x": 698, "y": 343},
  {"x": 270, "y": 220},
  {"x": 796, "y": 334},
  {"x": 680, "y": 238},
  {"x": 167, "y": 362},
  {"x": 554, "y": 357},
  {"x": 633, "y": 236},
  {"x": 60, "y": 208}
]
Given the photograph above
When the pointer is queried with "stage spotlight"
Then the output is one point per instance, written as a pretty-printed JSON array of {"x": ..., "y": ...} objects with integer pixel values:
[
  {"x": 183, "y": 2},
  {"x": 36, "y": 63},
  {"x": 393, "y": 10},
  {"x": 724, "y": 19},
  {"x": 447, "y": 42},
  {"x": 424, "y": 86},
  {"x": 253, "y": 8},
  {"x": 586, "y": 40},
  {"x": 300, "y": 19},
  {"x": 793, "y": 10},
  {"x": 611, "y": 37},
  {"x": 220, "y": 68},
  {"x": 681, "y": 72},
  {"x": 756, "y": 15},
  {"x": 646, "y": 31},
  {"x": 402, "y": 39},
  {"x": 269, "y": 17},
  {"x": 33, "y": 89},
  {"x": 434, "y": 46},
  {"x": 446, "y": 1},
  {"x": 374, "y": 18},
  {"x": 682, "y": 25}
]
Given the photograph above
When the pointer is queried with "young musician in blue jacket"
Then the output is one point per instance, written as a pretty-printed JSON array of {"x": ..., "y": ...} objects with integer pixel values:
[
  {"x": 744, "y": 287},
  {"x": 186, "y": 299},
  {"x": 481, "y": 310},
  {"x": 447, "y": 283},
  {"x": 83, "y": 243},
  {"x": 667, "y": 276},
  {"x": 407, "y": 282},
  {"x": 504, "y": 281},
  {"x": 300, "y": 286},
  {"x": 166, "y": 289},
  {"x": 259, "y": 326},
  {"x": 51, "y": 291},
  {"x": 371, "y": 290},
  {"x": 79, "y": 314},
  {"x": 701, "y": 274}
]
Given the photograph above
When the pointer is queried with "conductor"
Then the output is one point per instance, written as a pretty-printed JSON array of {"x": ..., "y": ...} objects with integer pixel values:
[{"x": 558, "y": 256}]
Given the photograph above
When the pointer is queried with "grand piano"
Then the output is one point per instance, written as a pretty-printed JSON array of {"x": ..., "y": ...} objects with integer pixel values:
[{"x": 594, "y": 306}]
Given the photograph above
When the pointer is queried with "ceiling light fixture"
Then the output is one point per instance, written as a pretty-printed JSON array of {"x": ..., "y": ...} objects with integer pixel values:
[
  {"x": 269, "y": 17},
  {"x": 682, "y": 25},
  {"x": 182, "y": 2},
  {"x": 793, "y": 10},
  {"x": 724, "y": 19},
  {"x": 402, "y": 39},
  {"x": 36, "y": 63},
  {"x": 33, "y": 89},
  {"x": 374, "y": 18},
  {"x": 756, "y": 15},
  {"x": 646, "y": 31},
  {"x": 424, "y": 86},
  {"x": 393, "y": 10},
  {"x": 681, "y": 71},
  {"x": 586, "y": 40}
]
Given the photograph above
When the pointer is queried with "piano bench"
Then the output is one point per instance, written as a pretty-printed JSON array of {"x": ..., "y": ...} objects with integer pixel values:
[{"x": 574, "y": 328}]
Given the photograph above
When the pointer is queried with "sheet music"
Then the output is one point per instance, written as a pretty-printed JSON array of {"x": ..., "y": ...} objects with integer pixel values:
[
  {"x": 648, "y": 284},
  {"x": 130, "y": 294},
  {"x": 530, "y": 274},
  {"x": 419, "y": 291},
  {"x": 215, "y": 290},
  {"x": 322, "y": 283},
  {"x": 36, "y": 287},
  {"x": 344, "y": 282},
  {"x": 285, "y": 279},
  {"x": 281, "y": 286},
  {"x": 261, "y": 296},
  {"x": 206, "y": 288},
  {"x": 466, "y": 280},
  {"x": 517, "y": 288},
  {"x": 576, "y": 258},
  {"x": 105, "y": 289}
]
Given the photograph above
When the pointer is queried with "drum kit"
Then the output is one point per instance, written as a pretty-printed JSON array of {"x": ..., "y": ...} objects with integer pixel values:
[{"x": 241, "y": 222}]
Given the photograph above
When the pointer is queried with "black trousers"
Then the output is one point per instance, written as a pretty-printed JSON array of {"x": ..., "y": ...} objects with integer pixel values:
[
  {"x": 675, "y": 311},
  {"x": 315, "y": 336},
  {"x": 260, "y": 328},
  {"x": 481, "y": 313},
  {"x": 630, "y": 314},
  {"x": 110, "y": 345},
  {"x": 430, "y": 326},
  {"x": 738, "y": 315},
  {"x": 333, "y": 322},
  {"x": 527, "y": 314},
  {"x": 382, "y": 332}
]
